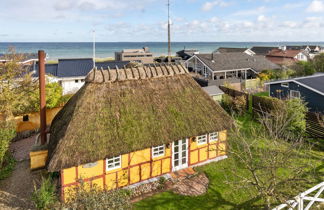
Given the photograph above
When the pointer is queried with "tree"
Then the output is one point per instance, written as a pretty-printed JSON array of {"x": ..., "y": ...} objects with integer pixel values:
[
  {"x": 15, "y": 85},
  {"x": 303, "y": 68},
  {"x": 270, "y": 162},
  {"x": 319, "y": 62},
  {"x": 53, "y": 97}
]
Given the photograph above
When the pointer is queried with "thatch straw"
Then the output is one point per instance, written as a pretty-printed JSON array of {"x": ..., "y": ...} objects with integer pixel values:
[{"x": 113, "y": 114}]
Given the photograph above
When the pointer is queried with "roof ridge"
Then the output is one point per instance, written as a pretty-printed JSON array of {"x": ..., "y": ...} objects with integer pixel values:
[{"x": 135, "y": 73}]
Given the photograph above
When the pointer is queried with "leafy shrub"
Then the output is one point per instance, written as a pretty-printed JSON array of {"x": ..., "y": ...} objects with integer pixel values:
[
  {"x": 95, "y": 198},
  {"x": 45, "y": 195},
  {"x": 8, "y": 165},
  {"x": 289, "y": 114},
  {"x": 53, "y": 97},
  {"x": 236, "y": 105},
  {"x": 296, "y": 110},
  {"x": 162, "y": 181},
  {"x": 7, "y": 132},
  {"x": 65, "y": 98}
]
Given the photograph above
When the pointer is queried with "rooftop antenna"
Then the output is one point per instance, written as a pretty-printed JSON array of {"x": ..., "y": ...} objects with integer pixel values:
[
  {"x": 94, "y": 49},
  {"x": 169, "y": 34}
]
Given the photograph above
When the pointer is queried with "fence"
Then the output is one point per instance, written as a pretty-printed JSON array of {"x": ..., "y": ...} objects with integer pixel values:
[
  {"x": 304, "y": 198},
  {"x": 315, "y": 125},
  {"x": 236, "y": 93}
]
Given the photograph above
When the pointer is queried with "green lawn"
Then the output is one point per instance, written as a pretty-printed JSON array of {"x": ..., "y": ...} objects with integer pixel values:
[
  {"x": 262, "y": 94},
  {"x": 220, "y": 195}
]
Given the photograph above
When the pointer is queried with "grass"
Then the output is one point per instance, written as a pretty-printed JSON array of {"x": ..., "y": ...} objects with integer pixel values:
[
  {"x": 8, "y": 166},
  {"x": 220, "y": 195},
  {"x": 262, "y": 94}
]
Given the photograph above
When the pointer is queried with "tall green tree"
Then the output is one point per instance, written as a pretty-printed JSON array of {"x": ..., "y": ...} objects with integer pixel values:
[
  {"x": 319, "y": 63},
  {"x": 16, "y": 84}
]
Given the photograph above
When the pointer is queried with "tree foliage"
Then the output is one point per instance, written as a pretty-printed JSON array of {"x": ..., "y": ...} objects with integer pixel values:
[
  {"x": 267, "y": 75},
  {"x": 16, "y": 84},
  {"x": 318, "y": 63},
  {"x": 53, "y": 97},
  {"x": 270, "y": 160}
]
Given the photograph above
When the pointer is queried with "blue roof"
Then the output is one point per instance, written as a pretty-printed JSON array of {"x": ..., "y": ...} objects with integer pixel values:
[
  {"x": 49, "y": 68},
  {"x": 78, "y": 67},
  {"x": 74, "y": 67},
  {"x": 316, "y": 82}
]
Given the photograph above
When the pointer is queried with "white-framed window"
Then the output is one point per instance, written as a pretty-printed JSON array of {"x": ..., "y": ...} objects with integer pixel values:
[
  {"x": 286, "y": 84},
  {"x": 158, "y": 151},
  {"x": 202, "y": 139},
  {"x": 294, "y": 94},
  {"x": 113, "y": 163},
  {"x": 76, "y": 81},
  {"x": 213, "y": 136}
]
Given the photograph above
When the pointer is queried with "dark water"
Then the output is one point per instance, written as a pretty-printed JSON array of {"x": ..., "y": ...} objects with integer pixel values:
[{"x": 57, "y": 50}]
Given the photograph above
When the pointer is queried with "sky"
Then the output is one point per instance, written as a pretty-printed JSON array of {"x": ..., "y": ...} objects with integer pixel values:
[{"x": 146, "y": 20}]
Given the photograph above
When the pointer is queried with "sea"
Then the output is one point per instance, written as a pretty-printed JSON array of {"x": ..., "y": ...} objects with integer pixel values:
[{"x": 57, "y": 50}]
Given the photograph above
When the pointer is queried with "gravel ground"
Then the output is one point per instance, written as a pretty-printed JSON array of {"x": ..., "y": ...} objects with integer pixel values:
[
  {"x": 16, "y": 190},
  {"x": 21, "y": 148}
]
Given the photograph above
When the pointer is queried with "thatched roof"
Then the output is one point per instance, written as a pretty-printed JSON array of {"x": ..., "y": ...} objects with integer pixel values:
[{"x": 125, "y": 110}]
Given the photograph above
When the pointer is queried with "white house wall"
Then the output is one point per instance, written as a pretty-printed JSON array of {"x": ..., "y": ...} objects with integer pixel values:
[{"x": 70, "y": 86}]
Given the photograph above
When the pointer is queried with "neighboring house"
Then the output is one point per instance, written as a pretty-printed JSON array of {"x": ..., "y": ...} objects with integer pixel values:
[
  {"x": 287, "y": 57},
  {"x": 130, "y": 126},
  {"x": 71, "y": 73},
  {"x": 27, "y": 58},
  {"x": 222, "y": 66},
  {"x": 234, "y": 50},
  {"x": 135, "y": 55},
  {"x": 186, "y": 54},
  {"x": 310, "y": 89},
  {"x": 310, "y": 50},
  {"x": 214, "y": 92},
  {"x": 259, "y": 50}
]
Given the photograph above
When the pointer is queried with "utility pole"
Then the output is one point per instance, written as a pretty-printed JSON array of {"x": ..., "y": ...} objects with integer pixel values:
[
  {"x": 94, "y": 49},
  {"x": 169, "y": 34}
]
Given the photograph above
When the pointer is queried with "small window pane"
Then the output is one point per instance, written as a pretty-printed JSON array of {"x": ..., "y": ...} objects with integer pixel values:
[
  {"x": 202, "y": 139},
  {"x": 213, "y": 137},
  {"x": 113, "y": 163},
  {"x": 158, "y": 151}
]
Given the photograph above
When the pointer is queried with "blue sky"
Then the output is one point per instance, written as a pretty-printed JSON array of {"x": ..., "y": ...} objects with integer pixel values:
[{"x": 145, "y": 20}]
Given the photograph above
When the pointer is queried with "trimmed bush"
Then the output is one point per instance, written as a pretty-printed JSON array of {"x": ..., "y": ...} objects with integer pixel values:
[{"x": 95, "y": 198}]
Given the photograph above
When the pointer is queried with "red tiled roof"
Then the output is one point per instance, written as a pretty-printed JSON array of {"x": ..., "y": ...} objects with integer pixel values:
[{"x": 284, "y": 54}]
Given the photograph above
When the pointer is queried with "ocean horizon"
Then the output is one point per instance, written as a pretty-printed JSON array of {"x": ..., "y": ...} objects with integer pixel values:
[{"x": 57, "y": 50}]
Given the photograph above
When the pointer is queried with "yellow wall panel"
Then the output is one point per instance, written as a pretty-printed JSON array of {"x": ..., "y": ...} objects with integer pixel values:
[
  {"x": 124, "y": 161},
  {"x": 98, "y": 183},
  {"x": 166, "y": 165},
  {"x": 194, "y": 157},
  {"x": 145, "y": 171},
  {"x": 140, "y": 156},
  {"x": 69, "y": 176},
  {"x": 193, "y": 144},
  {"x": 212, "y": 151},
  {"x": 111, "y": 181},
  {"x": 156, "y": 168},
  {"x": 222, "y": 149},
  {"x": 222, "y": 135},
  {"x": 84, "y": 171},
  {"x": 122, "y": 178},
  {"x": 134, "y": 174},
  {"x": 203, "y": 154}
]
